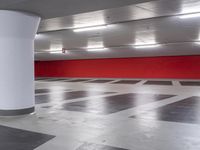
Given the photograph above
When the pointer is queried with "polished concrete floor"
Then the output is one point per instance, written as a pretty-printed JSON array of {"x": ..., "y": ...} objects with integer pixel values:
[{"x": 108, "y": 114}]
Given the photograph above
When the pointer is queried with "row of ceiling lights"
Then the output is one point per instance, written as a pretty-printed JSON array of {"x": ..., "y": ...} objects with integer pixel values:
[
  {"x": 104, "y": 48},
  {"x": 101, "y": 27}
]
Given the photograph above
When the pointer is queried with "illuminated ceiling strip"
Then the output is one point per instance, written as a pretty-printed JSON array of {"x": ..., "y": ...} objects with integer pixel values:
[
  {"x": 96, "y": 49},
  {"x": 90, "y": 28},
  {"x": 56, "y": 52},
  {"x": 147, "y": 46}
]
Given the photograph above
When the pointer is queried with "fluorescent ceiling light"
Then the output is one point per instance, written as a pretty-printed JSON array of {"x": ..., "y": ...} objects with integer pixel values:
[
  {"x": 38, "y": 52},
  {"x": 96, "y": 49},
  {"x": 194, "y": 15},
  {"x": 89, "y": 28},
  {"x": 198, "y": 42},
  {"x": 147, "y": 46},
  {"x": 95, "y": 46},
  {"x": 56, "y": 52}
]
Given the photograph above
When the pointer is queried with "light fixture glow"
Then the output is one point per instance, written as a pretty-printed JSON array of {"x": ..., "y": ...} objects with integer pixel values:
[
  {"x": 194, "y": 15},
  {"x": 37, "y": 36},
  {"x": 56, "y": 52},
  {"x": 197, "y": 42},
  {"x": 100, "y": 45},
  {"x": 96, "y": 49},
  {"x": 147, "y": 46},
  {"x": 90, "y": 28}
]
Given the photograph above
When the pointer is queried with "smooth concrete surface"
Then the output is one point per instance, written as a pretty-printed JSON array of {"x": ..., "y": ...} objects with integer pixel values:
[
  {"x": 159, "y": 117},
  {"x": 17, "y": 34}
]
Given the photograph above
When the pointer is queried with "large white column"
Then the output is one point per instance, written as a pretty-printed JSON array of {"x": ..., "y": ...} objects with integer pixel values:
[{"x": 17, "y": 33}]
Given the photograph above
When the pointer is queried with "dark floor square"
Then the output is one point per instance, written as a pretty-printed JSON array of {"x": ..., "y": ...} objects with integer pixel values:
[
  {"x": 78, "y": 80},
  {"x": 126, "y": 82},
  {"x": 38, "y": 79},
  {"x": 17, "y": 139},
  {"x": 112, "y": 104},
  {"x": 99, "y": 81},
  {"x": 184, "y": 111},
  {"x": 55, "y": 79},
  {"x": 41, "y": 91},
  {"x": 46, "y": 80},
  {"x": 158, "y": 83},
  {"x": 56, "y": 97},
  {"x": 38, "y": 91},
  {"x": 92, "y": 146},
  {"x": 190, "y": 83}
]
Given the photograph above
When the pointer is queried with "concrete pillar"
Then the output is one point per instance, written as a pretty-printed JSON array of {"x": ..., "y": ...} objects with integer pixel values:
[{"x": 17, "y": 33}]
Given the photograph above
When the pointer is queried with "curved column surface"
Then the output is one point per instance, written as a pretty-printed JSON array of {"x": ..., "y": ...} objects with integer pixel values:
[{"x": 17, "y": 33}]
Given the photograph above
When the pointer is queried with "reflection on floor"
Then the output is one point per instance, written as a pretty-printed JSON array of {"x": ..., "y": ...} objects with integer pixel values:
[
  {"x": 186, "y": 111},
  {"x": 57, "y": 97},
  {"x": 113, "y": 104},
  {"x": 108, "y": 114},
  {"x": 93, "y": 146}
]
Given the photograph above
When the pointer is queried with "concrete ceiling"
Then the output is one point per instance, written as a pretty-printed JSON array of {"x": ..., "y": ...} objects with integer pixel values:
[
  {"x": 176, "y": 36},
  {"x": 57, "y": 8},
  {"x": 114, "y": 15},
  {"x": 128, "y": 23},
  {"x": 159, "y": 30},
  {"x": 176, "y": 49}
]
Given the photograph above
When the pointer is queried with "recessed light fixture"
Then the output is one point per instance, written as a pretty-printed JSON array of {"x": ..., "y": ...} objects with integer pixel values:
[
  {"x": 56, "y": 52},
  {"x": 147, "y": 46},
  {"x": 193, "y": 15},
  {"x": 97, "y": 49},
  {"x": 90, "y": 28},
  {"x": 198, "y": 42},
  {"x": 38, "y": 52}
]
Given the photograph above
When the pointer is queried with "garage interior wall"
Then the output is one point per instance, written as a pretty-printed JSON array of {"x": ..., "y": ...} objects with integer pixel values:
[{"x": 177, "y": 67}]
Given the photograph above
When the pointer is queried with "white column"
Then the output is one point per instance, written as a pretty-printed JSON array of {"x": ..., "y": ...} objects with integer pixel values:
[{"x": 17, "y": 33}]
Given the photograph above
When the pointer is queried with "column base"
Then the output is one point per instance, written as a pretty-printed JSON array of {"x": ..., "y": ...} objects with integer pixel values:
[{"x": 17, "y": 112}]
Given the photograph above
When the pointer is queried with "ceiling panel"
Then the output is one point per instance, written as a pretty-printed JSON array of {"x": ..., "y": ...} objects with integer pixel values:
[
  {"x": 57, "y": 8},
  {"x": 4, "y": 3},
  {"x": 178, "y": 36},
  {"x": 128, "y": 23},
  {"x": 160, "y": 30},
  {"x": 158, "y": 8},
  {"x": 165, "y": 50}
]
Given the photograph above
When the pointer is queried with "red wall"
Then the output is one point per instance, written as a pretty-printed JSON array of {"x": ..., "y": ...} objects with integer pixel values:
[{"x": 149, "y": 67}]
